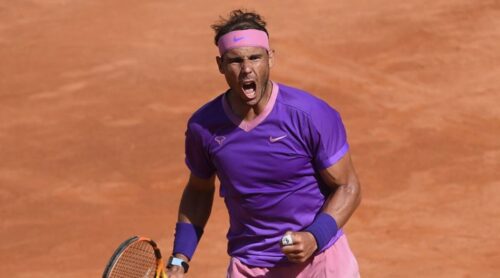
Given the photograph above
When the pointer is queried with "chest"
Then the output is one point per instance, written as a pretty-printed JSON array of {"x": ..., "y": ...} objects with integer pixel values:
[{"x": 273, "y": 154}]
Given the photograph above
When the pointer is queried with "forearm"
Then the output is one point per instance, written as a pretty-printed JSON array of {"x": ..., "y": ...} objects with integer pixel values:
[
  {"x": 194, "y": 211},
  {"x": 196, "y": 204},
  {"x": 343, "y": 202},
  {"x": 346, "y": 190}
]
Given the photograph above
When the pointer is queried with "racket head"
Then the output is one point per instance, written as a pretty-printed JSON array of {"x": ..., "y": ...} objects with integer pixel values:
[{"x": 136, "y": 257}]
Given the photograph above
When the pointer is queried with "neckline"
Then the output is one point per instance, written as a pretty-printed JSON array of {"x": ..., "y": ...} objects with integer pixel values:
[{"x": 249, "y": 125}]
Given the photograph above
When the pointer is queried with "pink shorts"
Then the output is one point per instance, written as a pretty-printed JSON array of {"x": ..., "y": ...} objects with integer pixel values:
[{"x": 335, "y": 262}]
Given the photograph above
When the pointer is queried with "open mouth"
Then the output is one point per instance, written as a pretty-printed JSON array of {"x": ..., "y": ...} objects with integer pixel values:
[{"x": 249, "y": 88}]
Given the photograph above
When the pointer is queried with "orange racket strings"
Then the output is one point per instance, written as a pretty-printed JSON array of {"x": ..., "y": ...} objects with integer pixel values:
[{"x": 137, "y": 260}]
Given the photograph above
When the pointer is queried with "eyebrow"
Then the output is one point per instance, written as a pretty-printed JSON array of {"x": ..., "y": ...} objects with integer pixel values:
[
  {"x": 239, "y": 58},
  {"x": 253, "y": 56}
]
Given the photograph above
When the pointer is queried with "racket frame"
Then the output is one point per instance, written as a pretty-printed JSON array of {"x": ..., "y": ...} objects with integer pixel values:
[{"x": 160, "y": 265}]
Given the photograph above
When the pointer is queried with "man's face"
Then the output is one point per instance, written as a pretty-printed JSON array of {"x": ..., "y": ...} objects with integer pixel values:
[{"x": 247, "y": 72}]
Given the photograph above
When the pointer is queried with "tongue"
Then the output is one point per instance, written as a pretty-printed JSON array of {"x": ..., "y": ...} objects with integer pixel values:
[{"x": 249, "y": 92}]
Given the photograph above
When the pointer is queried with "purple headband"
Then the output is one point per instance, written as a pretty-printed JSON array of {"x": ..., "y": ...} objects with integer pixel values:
[{"x": 241, "y": 38}]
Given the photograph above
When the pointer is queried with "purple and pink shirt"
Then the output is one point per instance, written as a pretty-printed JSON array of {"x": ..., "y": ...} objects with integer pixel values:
[{"x": 268, "y": 168}]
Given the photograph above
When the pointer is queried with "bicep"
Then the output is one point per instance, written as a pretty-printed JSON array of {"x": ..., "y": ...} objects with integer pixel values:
[{"x": 340, "y": 173}]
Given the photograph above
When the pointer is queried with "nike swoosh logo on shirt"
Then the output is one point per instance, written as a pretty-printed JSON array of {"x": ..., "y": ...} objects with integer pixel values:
[{"x": 272, "y": 140}]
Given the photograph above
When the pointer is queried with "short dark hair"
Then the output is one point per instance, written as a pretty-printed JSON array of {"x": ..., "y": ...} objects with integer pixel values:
[{"x": 238, "y": 20}]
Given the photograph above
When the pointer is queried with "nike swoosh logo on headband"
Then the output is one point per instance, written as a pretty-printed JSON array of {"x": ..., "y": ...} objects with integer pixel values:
[{"x": 237, "y": 39}]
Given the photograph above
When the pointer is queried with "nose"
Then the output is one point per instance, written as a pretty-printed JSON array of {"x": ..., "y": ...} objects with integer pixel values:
[{"x": 246, "y": 66}]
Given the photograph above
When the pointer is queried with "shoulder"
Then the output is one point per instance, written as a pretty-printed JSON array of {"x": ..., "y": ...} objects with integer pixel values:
[
  {"x": 209, "y": 115},
  {"x": 304, "y": 102}
]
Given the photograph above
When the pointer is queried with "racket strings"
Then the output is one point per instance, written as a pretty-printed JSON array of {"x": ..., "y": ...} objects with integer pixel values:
[{"x": 138, "y": 260}]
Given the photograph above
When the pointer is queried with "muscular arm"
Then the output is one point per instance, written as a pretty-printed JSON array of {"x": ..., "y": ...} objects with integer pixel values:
[
  {"x": 342, "y": 177},
  {"x": 196, "y": 203}
]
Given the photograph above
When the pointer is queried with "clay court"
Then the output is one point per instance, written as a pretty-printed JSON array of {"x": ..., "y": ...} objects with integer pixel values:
[{"x": 95, "y": 95}]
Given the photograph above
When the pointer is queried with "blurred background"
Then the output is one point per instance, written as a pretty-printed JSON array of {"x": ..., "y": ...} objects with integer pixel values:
[{"x": 95, "y": 95}]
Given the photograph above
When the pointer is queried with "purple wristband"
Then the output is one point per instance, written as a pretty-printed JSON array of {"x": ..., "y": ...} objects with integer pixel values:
[
  {"x": 323, "y": 228},
  {"x": 186, "y": 239}
]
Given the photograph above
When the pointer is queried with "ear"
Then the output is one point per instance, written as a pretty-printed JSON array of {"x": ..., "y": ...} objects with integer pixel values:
[
  {"x": 270, "y": 53},
  {"x": 218, "y": 59}
]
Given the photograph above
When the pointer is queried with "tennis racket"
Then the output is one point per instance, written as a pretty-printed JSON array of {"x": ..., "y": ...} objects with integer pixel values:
[{"x": 137, "y": 257}]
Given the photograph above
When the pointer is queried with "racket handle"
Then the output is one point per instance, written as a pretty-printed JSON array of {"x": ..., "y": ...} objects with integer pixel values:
[
  {"x": 160, "y": 271},
  {"x": 162, "y": 274}
]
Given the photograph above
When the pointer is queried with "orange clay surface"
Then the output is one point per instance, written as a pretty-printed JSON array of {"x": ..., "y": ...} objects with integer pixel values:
[{"x": 95, "y": 95}]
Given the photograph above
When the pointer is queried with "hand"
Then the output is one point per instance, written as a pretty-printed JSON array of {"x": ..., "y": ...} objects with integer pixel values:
[
  {"x": 303, "y": 246},
  {"x": 175, "y": 272}
]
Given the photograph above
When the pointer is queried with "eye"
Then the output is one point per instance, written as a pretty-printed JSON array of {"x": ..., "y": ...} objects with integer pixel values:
[
  {"x": 234, "y": 60},
  {"x": 255, "y": 57}
]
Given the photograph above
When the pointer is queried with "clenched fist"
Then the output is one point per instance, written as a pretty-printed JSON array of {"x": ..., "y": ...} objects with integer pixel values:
[{"x": 301, "y": 247}]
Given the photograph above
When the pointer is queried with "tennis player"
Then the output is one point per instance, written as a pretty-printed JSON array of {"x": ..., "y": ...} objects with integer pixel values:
[{"x": 283, "y": 162}]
